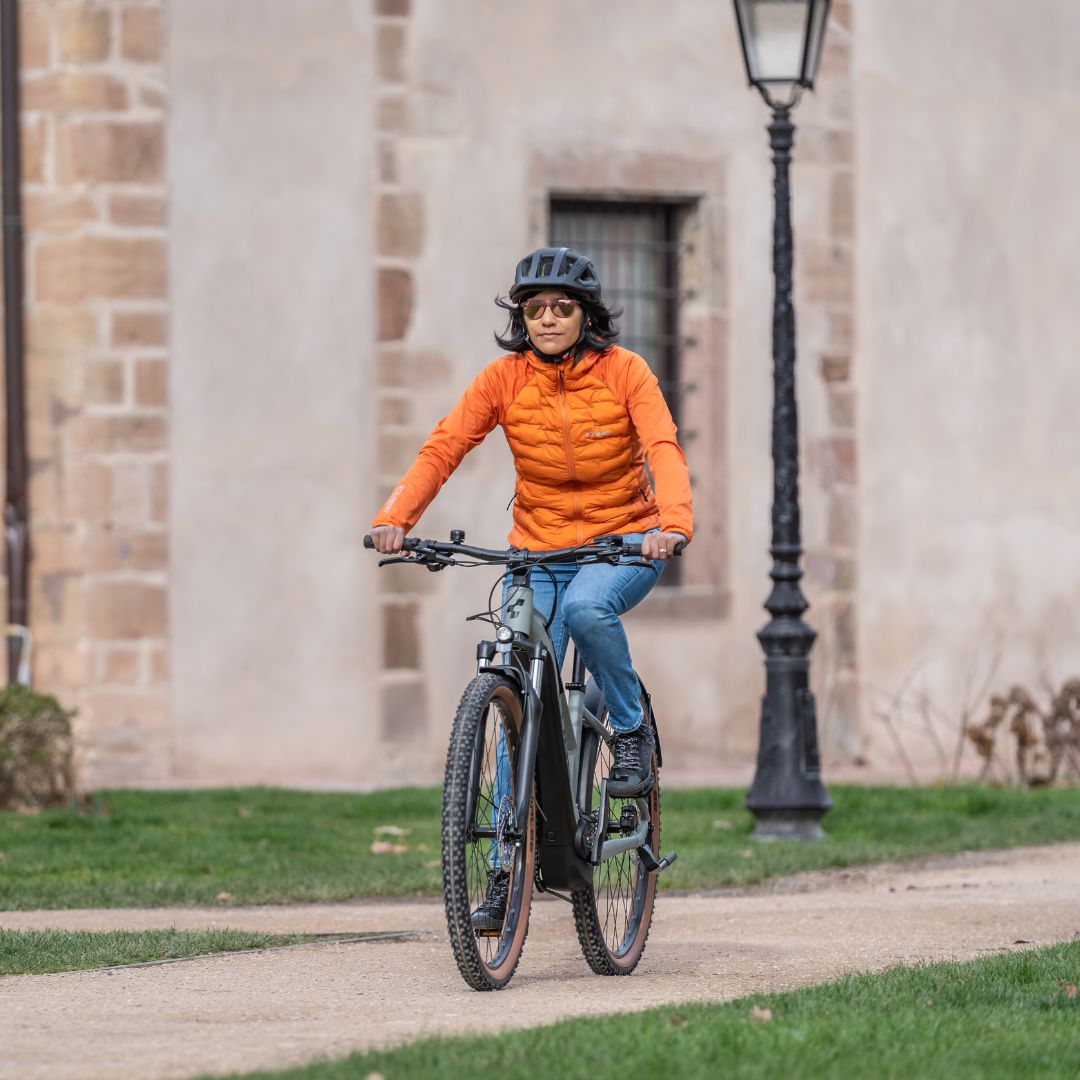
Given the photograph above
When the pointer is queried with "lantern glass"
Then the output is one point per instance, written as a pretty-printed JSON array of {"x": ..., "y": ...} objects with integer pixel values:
[{"x": 782, "y": 39}]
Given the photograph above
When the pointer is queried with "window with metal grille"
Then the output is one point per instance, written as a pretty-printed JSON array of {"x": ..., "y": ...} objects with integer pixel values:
[{"x": 637, "y": 251}]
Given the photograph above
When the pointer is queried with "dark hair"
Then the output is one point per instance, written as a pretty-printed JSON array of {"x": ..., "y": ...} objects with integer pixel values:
[{"x": 599, "y": 331}]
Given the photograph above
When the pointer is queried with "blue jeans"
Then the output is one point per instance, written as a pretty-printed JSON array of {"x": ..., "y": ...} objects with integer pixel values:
[{"x": 588, "y": 602}]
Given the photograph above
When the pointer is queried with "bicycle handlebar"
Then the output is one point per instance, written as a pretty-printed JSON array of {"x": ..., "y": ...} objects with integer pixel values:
[{"x": 441, "y": 551}]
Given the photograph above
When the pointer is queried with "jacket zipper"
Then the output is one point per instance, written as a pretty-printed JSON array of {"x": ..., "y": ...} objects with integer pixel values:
[{"x": 570, "y": 457}]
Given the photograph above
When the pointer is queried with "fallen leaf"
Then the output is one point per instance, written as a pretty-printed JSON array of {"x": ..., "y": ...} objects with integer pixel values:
[
  {"x": 760, "y": 1016},
  {"x": 676, "y": 1019},
  {"x": 206, "y": 868},
  {"x": 1069, "y": 988},
  {"x": 720, "y": 823},
  {"x": 243, "y": 811},
  {"x": 224, "y": 897},
  {"x": 747, "y": 854},
  {"x": 390, "y": 830},
  {"x": 381, "y": 847}
]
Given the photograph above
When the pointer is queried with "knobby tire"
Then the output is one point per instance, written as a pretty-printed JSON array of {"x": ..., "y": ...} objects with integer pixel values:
[
  {"x": 486, "y": 962},
  {"x": 613, "y": 916}
]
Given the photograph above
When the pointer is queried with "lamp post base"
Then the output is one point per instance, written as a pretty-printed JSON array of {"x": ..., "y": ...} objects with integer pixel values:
[{"x": 788, "y": 825}]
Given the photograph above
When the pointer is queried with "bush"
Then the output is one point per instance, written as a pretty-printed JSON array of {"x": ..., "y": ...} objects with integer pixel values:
[{"x": 36, "y": 767}]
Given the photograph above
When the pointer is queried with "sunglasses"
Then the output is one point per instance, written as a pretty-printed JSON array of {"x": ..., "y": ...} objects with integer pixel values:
[{"x": 563, "y": 308}]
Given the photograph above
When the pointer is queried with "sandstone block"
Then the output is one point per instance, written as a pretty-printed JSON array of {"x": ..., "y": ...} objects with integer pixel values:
[
  {"x": 56, "y": 548},
  {"x": 394, "y": 366},
  {"x": 104, "y": 383},
  {"x": 153, "y": 96},
  {"x": 394, "y": 301},
  {"x": 392, "y": 114},
  {"x": 841, "y": 408},
  {"x": 125, "y": 610},
  {"x": 84, "y": 32},
  {"x": 63, "y": 667},
  {"x": 127, "y": 548},
  {"x": 404, "y": 710},
  {"x": 139, "y": 328},
  {"x": 130, "y": 491},
  {"x": 130, "y": 152},
  {"x": 121, "y": 434},
  {"x": 394, "y": 411},
  {"x": 57, "y": 604},
  {"x": 830, "y": 275},
  {"x": 88, "y": 492},
  {"x": 390, "y": 52},
  {"x": 32, "y": 151},
  {"x": 56, "y": 211},
  {"x": 119, "y": 666},
  {"x": 35, "y": 37},
  {"x": 159, "y": 494},
  {"x": 151, "y": 383},
  {"x": 841, "y": 329},
  {"x": 400, "y": 223},
  {"x": 842, "y": 516},
  {"x": 401, "y": 639},
  {"x": 842, "y": 205},
  {"x": 835, "y": 367},
  {"x": 388, "y": 163},
  {"x": 138, "y": 210},
  {"x": 140, "y": 35},
  {"x": 159, "y": 665},
  {"x": 106, "y": 267},
  {"x": 52, "y": 328},
  {"x": 69, "y": 91}
]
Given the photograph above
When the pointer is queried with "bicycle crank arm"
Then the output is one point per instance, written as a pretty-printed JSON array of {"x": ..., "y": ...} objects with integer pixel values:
[{"x": 649, "y": 859}]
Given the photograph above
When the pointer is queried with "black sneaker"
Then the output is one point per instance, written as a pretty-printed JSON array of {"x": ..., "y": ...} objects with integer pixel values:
[
  {"x": 631, "y": 766},
  {"x": 488, "y": 917}
]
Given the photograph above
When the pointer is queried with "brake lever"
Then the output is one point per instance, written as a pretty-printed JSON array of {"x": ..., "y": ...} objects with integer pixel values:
[{"x": 398, "y": 559}]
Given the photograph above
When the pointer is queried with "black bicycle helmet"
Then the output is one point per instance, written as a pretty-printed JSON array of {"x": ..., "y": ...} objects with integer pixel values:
[{"x": 556, "y": 268}]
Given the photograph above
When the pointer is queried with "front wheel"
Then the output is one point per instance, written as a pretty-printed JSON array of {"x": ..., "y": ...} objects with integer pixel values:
[
  {"x": 614, "y": 914},
  {"x": 478, "y": 845}
]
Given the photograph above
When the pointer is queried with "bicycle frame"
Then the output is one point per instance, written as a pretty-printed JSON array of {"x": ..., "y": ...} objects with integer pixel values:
[
  {"x": 553, "y": 744},
  {"x": 556, "y": 726}
]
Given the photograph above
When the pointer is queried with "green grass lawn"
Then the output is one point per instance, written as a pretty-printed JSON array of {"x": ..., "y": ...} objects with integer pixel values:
[
  {"x": 37, "y": 952},
  {"x": 260, "y": 845},
  {"x": 1016, "y": 1015}
]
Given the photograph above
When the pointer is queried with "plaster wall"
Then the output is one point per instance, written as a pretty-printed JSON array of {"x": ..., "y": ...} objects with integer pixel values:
[
  {"x": 271, "y": 274},
  {"x": 968, "y": 227}
]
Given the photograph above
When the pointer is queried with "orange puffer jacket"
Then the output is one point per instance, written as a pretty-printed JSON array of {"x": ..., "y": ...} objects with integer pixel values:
[{"x": 580, "y": 434}]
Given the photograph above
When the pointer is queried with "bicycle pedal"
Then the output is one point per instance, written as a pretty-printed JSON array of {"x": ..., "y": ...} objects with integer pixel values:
[
  {"x": 650, "y": 861},
  {"x": 488, "y": 933}
]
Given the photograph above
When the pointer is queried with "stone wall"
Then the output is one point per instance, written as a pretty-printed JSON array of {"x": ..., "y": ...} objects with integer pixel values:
[{"x": 94, "y": 109}]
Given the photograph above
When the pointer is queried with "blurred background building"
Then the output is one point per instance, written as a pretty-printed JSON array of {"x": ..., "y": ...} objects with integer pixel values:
[{"x": 262, "y": 245}]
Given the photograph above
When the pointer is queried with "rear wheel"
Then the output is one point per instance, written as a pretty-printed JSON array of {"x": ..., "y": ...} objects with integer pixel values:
[
  {"x": 614, "y": 914},
  {"x": 477, "y": 814}
]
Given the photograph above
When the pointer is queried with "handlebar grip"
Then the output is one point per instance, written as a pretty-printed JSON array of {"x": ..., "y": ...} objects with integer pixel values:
[
  {"x": 678, "y": 549},
  {"x": 368, "y": 542}
]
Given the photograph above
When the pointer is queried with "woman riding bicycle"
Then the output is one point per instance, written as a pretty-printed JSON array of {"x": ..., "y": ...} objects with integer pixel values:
[{"x": 582, "y": 417}]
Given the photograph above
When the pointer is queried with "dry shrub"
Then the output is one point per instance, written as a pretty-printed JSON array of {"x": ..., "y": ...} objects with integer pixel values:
[
  {"x": 36, "y": 766},
  {"x": 1044, "y": 743}
]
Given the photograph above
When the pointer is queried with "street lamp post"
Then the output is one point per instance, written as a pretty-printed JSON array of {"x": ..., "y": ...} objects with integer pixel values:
[{"x": 781, "y": 43}]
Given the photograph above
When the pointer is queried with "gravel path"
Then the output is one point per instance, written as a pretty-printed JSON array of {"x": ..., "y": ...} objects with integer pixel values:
[{"x": 289, "y": 1006}]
